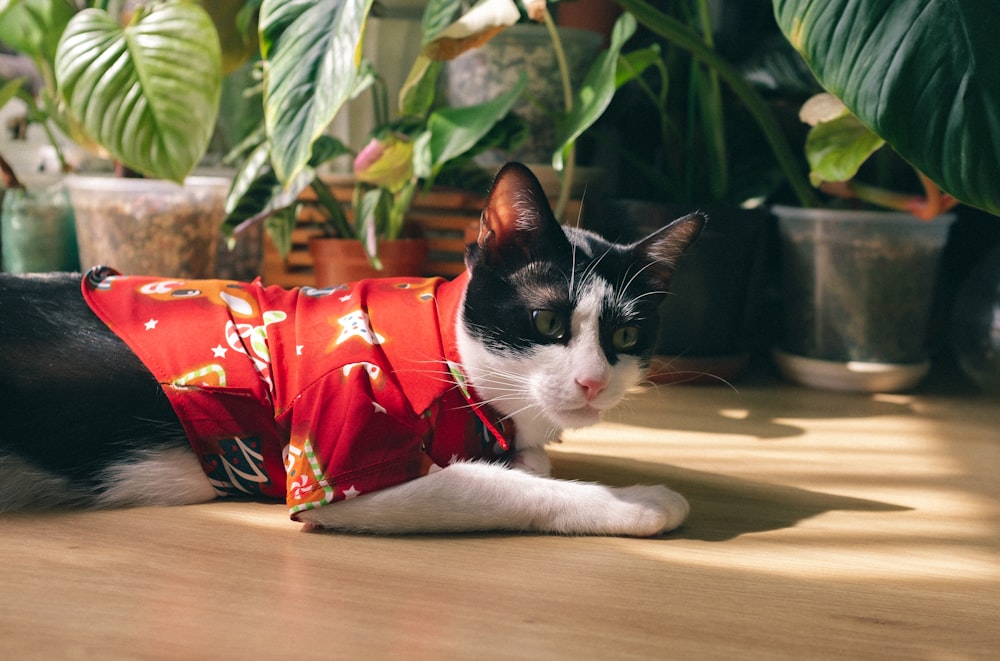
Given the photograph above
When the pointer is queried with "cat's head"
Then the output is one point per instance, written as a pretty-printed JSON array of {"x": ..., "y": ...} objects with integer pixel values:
[{"x": 558, "y": 323}]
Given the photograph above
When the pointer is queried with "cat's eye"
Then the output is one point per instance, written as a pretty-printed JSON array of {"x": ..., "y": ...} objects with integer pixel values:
[
  {"x": 550, "y": 325},
  {"x": 625, "y": 338}
]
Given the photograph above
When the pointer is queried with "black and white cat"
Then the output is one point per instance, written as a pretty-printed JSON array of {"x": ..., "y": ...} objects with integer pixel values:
[{"x": 554, "y": 327}]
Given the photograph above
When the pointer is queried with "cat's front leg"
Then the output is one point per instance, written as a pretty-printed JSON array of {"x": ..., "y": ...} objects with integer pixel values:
[
  {"x": 469, "y": 497},
  {"x": 533, "y": 460}
]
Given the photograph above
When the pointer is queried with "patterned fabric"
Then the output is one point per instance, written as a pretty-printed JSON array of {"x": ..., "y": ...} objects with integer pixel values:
[{"x": 311, "y": 395}]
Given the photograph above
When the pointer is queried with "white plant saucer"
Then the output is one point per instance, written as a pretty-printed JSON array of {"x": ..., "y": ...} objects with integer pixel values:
[{"x": 853, "y": 376}]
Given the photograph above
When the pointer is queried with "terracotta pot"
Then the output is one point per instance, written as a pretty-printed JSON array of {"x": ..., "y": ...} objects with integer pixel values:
[{"x": 337, "y": 261}]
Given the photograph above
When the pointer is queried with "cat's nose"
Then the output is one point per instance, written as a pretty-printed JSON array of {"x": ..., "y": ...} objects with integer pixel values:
[{"x": 591, "y": 387}]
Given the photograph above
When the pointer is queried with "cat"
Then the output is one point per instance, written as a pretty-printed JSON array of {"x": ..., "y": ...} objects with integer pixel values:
[{"x": 549, "y": 327}]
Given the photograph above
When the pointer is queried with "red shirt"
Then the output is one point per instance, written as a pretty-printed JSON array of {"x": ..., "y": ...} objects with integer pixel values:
[{"x": 314, "y": 395}]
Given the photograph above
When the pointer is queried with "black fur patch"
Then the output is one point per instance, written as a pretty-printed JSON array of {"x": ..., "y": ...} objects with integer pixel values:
[{"x": 73, "y": 397}]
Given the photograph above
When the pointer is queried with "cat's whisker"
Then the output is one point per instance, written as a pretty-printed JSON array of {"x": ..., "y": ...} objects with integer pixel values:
[
  {"x": 572, "y": 273},
  {"x": 596, "y": 262},
  {"x": 631, "y": 279},
  {"x": 690, "y": 375}
]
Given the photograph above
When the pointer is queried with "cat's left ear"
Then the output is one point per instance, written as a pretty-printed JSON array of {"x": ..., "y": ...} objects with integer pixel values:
[
  {"x": 517, "y": 215},
  {"x": 664, "y": 248}
]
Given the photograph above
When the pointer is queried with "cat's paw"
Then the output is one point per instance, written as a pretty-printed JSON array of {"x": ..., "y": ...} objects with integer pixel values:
[{"x": 656, "y": 509}]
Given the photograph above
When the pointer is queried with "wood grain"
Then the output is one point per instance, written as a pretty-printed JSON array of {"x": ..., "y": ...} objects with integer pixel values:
[{"x": 823, "y": 526}]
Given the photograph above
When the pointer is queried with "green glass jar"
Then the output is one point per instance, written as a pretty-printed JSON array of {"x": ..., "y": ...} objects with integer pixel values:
[{"x": 37, "y": 231}]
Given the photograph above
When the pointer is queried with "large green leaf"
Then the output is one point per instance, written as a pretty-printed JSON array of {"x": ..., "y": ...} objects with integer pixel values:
[
  {"x": 438, "y": 14},
  {"x": 923, "y": 74},
  {"x": 837, "y": 149},
  {"x": 596, "y": 92},
  {"x": 148, "y": 92},
  {"x": 312, "y": 50},
  {"x": 454, "y": 131}
]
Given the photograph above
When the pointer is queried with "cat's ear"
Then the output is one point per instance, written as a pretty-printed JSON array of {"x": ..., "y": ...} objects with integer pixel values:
[
  {"x": 662, "y": 250},
  {"x": 517, "y": 214}
]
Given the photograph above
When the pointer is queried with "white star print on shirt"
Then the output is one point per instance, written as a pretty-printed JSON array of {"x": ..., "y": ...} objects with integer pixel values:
[{"x": 356, "y": 324}]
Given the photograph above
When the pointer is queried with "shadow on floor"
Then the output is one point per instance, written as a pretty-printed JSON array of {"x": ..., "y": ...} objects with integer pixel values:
[
  {"x": 722, "y": 507},
  {"x": 767, "y": 415}
]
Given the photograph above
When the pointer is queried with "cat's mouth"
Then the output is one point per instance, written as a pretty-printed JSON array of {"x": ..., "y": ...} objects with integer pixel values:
[{"x": 582, "y": 416}]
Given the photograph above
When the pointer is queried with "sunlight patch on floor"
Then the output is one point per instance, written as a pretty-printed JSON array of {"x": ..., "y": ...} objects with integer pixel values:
[{"x": 264, "y": 515}]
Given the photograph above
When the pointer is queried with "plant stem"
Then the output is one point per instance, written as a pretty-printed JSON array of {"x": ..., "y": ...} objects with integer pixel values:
[
  {"x": 687, "y": 39},
  {"x": 712, "y": 115},
  {"x": 928, "y": 207},
  {"x": 569, "y": 172},
  {"x": 380, "y": 101},
  {"x": 400, "y": 205},
  {"x": 336, "y": 212},
  {"x": 937, "y": 200}
]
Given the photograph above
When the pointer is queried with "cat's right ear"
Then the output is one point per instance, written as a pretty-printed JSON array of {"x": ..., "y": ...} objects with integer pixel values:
[
  {"x": 664, "y": 248},
  {"x": 517, "y": 214}
]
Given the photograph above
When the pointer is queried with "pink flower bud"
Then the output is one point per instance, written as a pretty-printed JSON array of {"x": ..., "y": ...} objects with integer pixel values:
[{"x": 387, "y": 162}]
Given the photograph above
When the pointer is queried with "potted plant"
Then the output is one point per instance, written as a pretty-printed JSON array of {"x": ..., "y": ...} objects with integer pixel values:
[
  {"x": 858, "y": 281},
  {"x": 284, "y": 160},
  {"x": 139, "y": 83},
  {"x": 692, "y": 133},
  {"x": 908, "y": 80},
  {"x": 407, "y": 150}
]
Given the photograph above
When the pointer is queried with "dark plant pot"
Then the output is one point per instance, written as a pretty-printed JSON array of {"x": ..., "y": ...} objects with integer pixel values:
[
  {"x": 710, "y": 320},
  {"x": 148, "y": 226},
  {"x": 339, "y": 261},
  {"x": 857, "y": 289},
  {"x": 37, "y": 233},
  {"x": 975, "y": 327}
]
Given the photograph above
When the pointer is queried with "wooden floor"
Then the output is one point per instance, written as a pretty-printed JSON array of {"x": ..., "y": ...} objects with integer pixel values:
[{"x": 823, "y": 526}]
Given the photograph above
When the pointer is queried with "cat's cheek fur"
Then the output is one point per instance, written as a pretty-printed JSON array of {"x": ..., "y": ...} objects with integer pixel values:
[{"x": 541, "y": 390}]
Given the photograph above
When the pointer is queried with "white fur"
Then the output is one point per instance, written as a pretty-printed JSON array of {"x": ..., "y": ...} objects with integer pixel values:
[
  {"x": 478, "y": 496},
  {"x": 167, "y": 477}
]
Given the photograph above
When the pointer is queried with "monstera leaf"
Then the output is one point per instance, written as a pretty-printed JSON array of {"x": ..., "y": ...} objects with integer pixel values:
[
  {"x": 147, "y": 92},
  {"x": 922, "y": 74}
]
